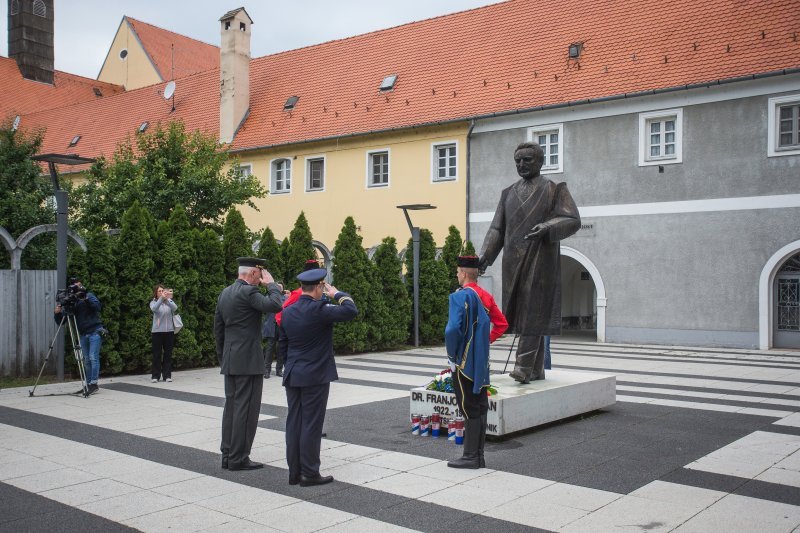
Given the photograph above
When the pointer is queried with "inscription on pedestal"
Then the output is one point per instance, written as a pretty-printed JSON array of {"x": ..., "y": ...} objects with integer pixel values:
[{"x": 517, "y": 407}]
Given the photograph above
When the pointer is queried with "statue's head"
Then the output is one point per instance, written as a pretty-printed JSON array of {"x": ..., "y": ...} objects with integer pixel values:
[{"x": 529, "y": 158}]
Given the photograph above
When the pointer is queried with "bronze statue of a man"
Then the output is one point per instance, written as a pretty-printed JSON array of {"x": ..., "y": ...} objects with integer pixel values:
[{"x": 533, "y": 215}]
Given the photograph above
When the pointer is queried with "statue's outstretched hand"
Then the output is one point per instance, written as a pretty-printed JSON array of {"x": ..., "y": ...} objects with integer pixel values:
[
  {"x": 537, "y": 233},
  {"x": 483, "y": 264}
]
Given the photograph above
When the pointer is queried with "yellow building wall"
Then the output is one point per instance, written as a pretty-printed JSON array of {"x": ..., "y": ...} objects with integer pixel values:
[
  {"x": 346, "y": 192},
  {"x": 136, "y": 70}
]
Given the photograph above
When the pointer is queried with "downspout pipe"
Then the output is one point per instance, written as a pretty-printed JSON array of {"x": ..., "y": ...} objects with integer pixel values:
[{"x": 469, "y": 146}]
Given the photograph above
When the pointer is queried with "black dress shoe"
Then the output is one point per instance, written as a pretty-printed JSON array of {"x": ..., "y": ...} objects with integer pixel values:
[
  {"x": 279, "y": 373},
  {"x": 224, "y": 463},
  {"x": 293, "y": 481},
  {"x": 311, "y": 481},
  {"x": 266, "y": 376},
  {"x": 247, "y": 464}
]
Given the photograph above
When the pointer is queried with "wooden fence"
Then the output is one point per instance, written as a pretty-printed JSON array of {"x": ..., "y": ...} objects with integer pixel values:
[{"x": 27, "y": 300}]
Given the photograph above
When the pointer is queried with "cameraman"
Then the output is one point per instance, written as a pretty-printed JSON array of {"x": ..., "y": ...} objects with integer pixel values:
[{"x": 87, "y": 317}]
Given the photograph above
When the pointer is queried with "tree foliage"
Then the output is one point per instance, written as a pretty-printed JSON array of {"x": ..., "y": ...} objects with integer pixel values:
[
  {"x": 269, "y": 249},
  {"x": 285, "y": 275},
  {"x": 211, "y": 281},
  {"x": 300, "y": 250},
  {"x": 352, "y": 273},
  {"x": 24, "y": 191},
  {"x": 101, "y": 279},
  {"x": 179, "y": 274},
  {"x": 235, "y": 243},
  {"x": 450, "y": 252},
  {"x": 469, "y": 249},
  {"x": 135, "y": 278},
  {"x": 433, "y": 289},
  {"x": 394, "y": 324},
  {"x": 427, "y": 250},
  {"x": 160, "y": 169}
]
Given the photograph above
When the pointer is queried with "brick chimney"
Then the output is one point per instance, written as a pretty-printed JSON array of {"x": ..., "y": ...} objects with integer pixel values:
[
  {"x": 234, "y": 72},
  {"x": 30, "y": 38}
]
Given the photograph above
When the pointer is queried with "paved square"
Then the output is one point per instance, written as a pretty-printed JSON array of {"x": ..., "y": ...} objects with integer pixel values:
[{"x": 699, "y": 440}]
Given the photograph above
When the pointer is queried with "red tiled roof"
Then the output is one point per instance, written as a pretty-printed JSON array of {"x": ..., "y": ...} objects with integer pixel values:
[
  {"x": 499, "y": 58},
  {"x": 104, "y": 123},
  {"x": 20, "y": 96},
  {"x": 190, "y": 55},
  {"x": 513, "y": 55}
]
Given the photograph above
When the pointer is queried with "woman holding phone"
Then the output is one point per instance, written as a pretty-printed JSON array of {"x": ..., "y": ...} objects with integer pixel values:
[{"x": 163, "y": 333}]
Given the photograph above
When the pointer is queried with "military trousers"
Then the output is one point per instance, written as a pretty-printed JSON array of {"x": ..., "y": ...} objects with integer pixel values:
[
  {"x": 304, "y": 421},
  {"x": 240, "y": 416},
  {"x": 471, "y": 405}
]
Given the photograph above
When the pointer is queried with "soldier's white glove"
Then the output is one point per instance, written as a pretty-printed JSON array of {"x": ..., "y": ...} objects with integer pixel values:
[{"x": 452, "y": 367}]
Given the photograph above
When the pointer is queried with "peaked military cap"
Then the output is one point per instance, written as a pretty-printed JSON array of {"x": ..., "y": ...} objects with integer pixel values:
[
  {"x": 468, "y": 261},
  {"x": 255, "y": 262},
  {"x": 312, "y": 276}
]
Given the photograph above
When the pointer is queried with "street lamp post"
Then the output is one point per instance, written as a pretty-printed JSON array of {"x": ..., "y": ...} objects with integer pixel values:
[
  {"x": 61, "y": 233},
  {"x": 415, "y": 251}
]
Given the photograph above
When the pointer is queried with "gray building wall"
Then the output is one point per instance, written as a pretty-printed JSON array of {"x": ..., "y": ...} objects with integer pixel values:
[{"x": 674, "y": 278}]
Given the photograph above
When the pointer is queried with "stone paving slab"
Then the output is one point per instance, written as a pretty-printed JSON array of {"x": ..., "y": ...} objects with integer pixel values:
[{"x": 700, "y": 440}]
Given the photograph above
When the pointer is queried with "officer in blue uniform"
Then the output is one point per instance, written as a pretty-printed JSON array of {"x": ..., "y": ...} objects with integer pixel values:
[{"x": 306, "y": 340}]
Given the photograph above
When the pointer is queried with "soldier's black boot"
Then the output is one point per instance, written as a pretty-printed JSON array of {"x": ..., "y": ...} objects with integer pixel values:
[
  {"x": 482, "y": 441},
  {"x": 472, "y": 439}
]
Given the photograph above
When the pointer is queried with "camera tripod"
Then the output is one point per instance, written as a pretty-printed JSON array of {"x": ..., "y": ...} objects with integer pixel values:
[{"x": 72, "y": 326}]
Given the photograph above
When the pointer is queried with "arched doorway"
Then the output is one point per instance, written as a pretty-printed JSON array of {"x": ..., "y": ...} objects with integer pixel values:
[
  {"x": 786, "y": 325},
  {"x": 779, "y": 300},
  {"x": 583, "y": 296}
]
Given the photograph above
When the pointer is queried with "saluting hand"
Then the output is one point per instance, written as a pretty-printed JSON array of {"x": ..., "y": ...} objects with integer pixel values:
[
  {"x": 266, "y": 277},
  {"x": 330, "y": 290}
]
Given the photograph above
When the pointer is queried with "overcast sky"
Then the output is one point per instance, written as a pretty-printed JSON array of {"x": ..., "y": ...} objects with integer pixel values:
[{"x": 84, "y": 28}]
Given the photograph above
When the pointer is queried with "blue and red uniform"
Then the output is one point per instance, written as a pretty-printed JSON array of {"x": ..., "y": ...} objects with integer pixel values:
[{"x": 496, "y": 317}]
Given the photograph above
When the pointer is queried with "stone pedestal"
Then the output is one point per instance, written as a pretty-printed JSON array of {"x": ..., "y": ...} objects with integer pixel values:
[{"x": 516, "y": 407}]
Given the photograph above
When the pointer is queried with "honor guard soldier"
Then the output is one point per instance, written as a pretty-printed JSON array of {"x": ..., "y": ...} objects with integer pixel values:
[
  {"x": 467, "y": 337},
  {"x": 467, "y": 275},
  {"x": 237, "y": 329},
  {"x": 306, "y": 339}
]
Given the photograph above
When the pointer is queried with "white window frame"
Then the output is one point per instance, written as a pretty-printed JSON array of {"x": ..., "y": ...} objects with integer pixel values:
[
  {"x": 435, "y": 161},
  {"x": 535, "y": 131},
  {"x": 273, "y": 189},
  {"x": 645, "y": 159},
  {"x": 242, "y": 166},
  {"x": 307, "y": 165},
  {"x": 371, "y": 153},
  {"x": 773, "y": 124}
]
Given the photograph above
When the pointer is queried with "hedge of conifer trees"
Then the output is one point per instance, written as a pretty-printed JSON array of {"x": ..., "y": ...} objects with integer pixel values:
[{"x": 122, "y": 269}]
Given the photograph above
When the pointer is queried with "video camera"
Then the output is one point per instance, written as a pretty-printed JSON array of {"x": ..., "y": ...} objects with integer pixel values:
[{"x": 69, "y": 297}]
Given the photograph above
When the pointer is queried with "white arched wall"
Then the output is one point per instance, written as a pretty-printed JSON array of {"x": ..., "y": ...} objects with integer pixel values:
[
  {"x": 766, "y": 304},
  {"x": 600, "y": 287},
  {"x": 15, "y": 248}
]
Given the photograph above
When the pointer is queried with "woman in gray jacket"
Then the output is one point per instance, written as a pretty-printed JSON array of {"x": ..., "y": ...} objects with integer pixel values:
[{"x": 163, "y": 332}]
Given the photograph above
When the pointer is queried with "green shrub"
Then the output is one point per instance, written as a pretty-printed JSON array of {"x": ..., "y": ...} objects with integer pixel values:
[
  {"x": 352, "y": 273},
  {"x": 135, "y": 278},
  {"x": 394, "y": 322},
  {"x": 235, "y": 243}
]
